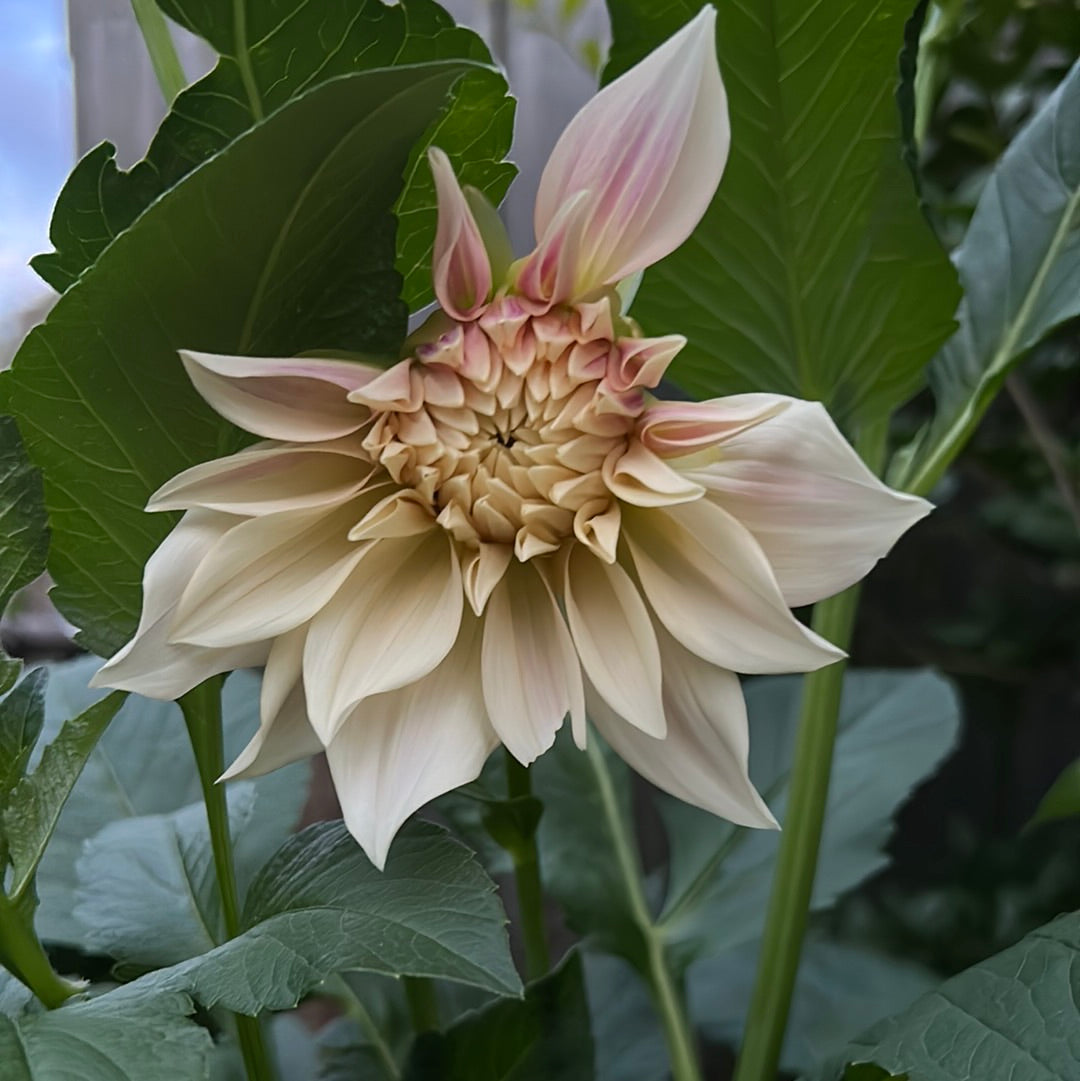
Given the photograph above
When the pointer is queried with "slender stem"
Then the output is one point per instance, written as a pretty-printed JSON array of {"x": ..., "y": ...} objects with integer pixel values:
[
  {"x": 1048, "y": 443},
  {"x": 423, "y": 1003},
  {"x": 793, "y": 883},
  {"x": 159, "y": 44},
  {"x": 243, "y": 59},
  {"x": 677, "y": 1031},
  {"x": 530, "y": 891},
  {"x": 22, "y": 954},
  {"x": 202, "y": 712}
]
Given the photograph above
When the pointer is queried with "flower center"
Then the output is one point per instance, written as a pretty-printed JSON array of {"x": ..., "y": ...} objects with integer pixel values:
[{"x": 503, "y": 425}]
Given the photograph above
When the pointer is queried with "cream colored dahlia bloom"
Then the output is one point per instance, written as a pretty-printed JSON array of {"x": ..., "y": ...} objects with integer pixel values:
[{"x": 507, "y": 528}]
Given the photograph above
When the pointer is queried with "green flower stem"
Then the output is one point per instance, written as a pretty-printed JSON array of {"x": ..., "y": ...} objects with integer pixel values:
[
  {"x": 527, "y": 880},
  {"x": 23, "y": 955},
  {"x": 423, "y": 1003},
  {"x": 159, "y": 44},
  {"x": 202, "y": 712},
  {"x": 793, "y": 883},
  {"x": 678, "y": 1034}
]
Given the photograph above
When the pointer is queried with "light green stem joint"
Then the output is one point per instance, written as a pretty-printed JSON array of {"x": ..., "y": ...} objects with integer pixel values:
[{"x": 23, "y": 956}]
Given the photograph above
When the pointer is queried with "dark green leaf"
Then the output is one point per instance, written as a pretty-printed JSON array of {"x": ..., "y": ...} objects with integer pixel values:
[
  {"x": 24, "y": 531},
  {"x": 1063, "y": 798},
  {"x": 626, "y": 1031},
  {"x": 545, "y": 1036},
  {"x": 142, "y": 768},
  {"x": 867, "y": 1071},
  {"x": 1019, "y": 264},
  {"x": 244, "y": 257},
  {"x": 270, "y": 54},
  {"x": 22, "y": 713},
  {"x": 115, "y": 1037},
  {"x": 894, "y": 730},
  {"x": 813, "y": 272},
  {"x": 319, "y": 906},
  {"x": 35, "y": 805},
  {"x": 1015, "y": 1016}
]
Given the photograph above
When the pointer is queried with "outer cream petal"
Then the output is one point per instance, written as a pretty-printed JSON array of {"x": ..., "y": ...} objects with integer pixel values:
[
  {"x": 614, "y": 638},
  {"x": 399, "y": 750},
  {"x": 297, "y": 399},
  {"x": 638, "y": 476},
  {"x": 461, "y": 269},
  {"x": 269, "y": 574},
  {"x": 649, "y": 149},
  {"x": 392, "y": 622},
  {"x": 678, "y": 429},
  {"x": 820, "y": 515},
  {"x": 703, "y": 757},
  {"x": 712, "y": 587},
  {"x": 282, "y": 738},
  {"x": 269, "y": 477},
  {"x": 150, "y": 664},
  {"x": 532, "y": 676}
]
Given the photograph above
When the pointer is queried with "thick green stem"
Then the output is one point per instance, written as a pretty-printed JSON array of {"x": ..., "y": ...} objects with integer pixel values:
[
  {"x": 202, "y": 712},
  {"x": 530, "y": 891},
  {"x": 678, "y": 1034},
  {"x": 23, "y": 955},
  {"x": 423, "y": 1003},
  {"x": 793, "y": 883},
  {"x": 159, "y": 44}
]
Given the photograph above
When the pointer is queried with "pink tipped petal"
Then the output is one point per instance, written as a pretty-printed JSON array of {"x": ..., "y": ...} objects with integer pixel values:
[
  {"x": 552, "y": 272},
  {"x": 532, "y": 677},
  {"x": 297, "y": 399},
  {"x": 150, "y": 664},
  {"x": 399, "y": 750},
  {"x": 649, "y": 150},
  {"x": 460, "y": 265},
  {"x": 820, "y": 515},
  {"x": 677, "y": 429},
  {"x": 639, "y": 477},
  {"x": 393, "y": 621},
  {"x": 712, "y": 587},
  {"x": 398, "y": 388},
  {"x": 268, "y": 575},
  {"x": 703, "y": 757},
  {"x": 268, "y": 478},
  {"x": 641, "y": 362},
  {"x": 614, "y": 638}
]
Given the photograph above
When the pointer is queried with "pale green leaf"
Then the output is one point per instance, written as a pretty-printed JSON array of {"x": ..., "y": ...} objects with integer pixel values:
[{"x": 1020, "y": 268}]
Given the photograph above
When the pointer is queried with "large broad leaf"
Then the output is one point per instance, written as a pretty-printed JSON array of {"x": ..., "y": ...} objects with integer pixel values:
[
  {"x": 1020, "y": 267},
  {"x": 147, "y": 890},
  {"x": 35, "y": 806},
  {"x": 24, "y": 531},
  {"x": 1015, "y": 1017},
  {"x": 141, "y": 768},
  {"x": 320, "y": 906},
  {"x": 626, "y": 1030},
  {"x": 22, "y": 713},
  {"x": 116, "y": 1037},
  {"x": 813, "y": 272},
  {"x": 271, "y": 53},
  {"x": 840, "y": 990},
  {"x": 280, "y": 243},
  {"x": 894, "y": 730},
  {"x": 545, "y": 1036}
]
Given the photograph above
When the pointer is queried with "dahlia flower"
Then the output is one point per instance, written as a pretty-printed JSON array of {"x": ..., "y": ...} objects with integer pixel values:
[{"x": 507, "y": 527}]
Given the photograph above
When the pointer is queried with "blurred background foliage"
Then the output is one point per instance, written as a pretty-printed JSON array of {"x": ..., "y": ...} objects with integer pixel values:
[{"x": 987, "y": 590}]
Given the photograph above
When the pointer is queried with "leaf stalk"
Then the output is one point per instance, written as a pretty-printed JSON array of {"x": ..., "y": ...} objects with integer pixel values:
[
  {"x": 23, "y": 955},
  {"x": 159, "y": 44},
  {"x": 530, "y": 892}
]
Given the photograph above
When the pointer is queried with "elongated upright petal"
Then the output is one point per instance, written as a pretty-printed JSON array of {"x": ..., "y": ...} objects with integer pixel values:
[
  {"x": 399, "y": 750},
  {"x": 298, "y": 399},
  {"x": 150, "y": 664},
  {"x": 461, "y": 268},
  {"x": 649, "y": 150},
  {"x": 821, "y": 517}
]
